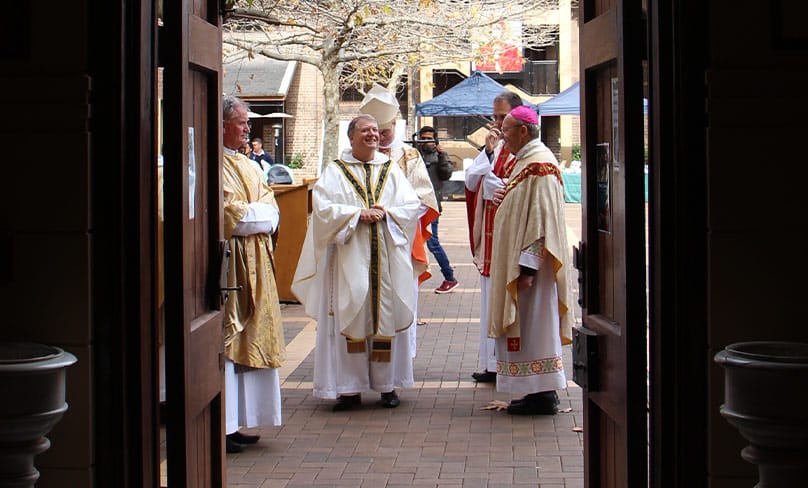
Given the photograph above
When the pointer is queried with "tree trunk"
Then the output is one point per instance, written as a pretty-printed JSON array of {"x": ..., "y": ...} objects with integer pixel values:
[{"x": 331, "y": 130}]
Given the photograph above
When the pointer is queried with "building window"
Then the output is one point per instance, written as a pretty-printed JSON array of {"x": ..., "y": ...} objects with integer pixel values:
[
  {"x": 443, "y": 80},
  {"x": 350, "y": 94},
  {"x": 539, "y": 75}
]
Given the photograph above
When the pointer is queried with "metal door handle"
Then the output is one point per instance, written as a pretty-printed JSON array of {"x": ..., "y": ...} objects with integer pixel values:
[{"x": 579, "y": 263}]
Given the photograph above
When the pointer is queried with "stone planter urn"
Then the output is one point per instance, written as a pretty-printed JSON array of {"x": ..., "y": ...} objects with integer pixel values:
[
  {"x": 32, "y": 382},
  {"x": 766, "y": 399}
]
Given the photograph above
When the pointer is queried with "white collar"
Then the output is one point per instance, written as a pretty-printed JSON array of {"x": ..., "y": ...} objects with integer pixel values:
[{"x": 348, "y": 157}]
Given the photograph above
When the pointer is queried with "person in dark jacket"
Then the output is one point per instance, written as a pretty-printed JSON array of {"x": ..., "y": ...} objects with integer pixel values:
[
  {"x": 258, "y": 153},
  {"x": 440, "y": 170}
]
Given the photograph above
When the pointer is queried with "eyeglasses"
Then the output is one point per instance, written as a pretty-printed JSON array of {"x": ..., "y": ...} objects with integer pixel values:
[{"x": 506, "y": 129}]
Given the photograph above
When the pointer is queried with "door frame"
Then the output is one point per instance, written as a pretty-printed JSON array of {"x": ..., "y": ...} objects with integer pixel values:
[
  {"x": 122, "y": 89},
  {"x": 678, "y": 40},
  {"x": 612, "y": 40}
]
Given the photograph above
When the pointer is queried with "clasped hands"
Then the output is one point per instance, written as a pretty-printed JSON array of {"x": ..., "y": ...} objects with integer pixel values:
[
  {"x": 373, "y": 214},
  {"x": 499, "y": 194}
]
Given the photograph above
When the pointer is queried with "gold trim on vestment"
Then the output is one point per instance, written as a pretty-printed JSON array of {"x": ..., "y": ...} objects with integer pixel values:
[
  {"x": 381, "y": 349},
  {"x": 370, "y": 192},
  {"x": 355, "y": 345}
]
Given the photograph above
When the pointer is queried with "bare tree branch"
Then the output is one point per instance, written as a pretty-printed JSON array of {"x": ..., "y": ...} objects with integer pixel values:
[{"x": 357, "y": 42}]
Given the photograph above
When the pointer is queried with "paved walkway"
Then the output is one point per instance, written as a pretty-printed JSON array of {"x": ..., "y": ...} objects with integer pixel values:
[{"x": 440, "y": 435}]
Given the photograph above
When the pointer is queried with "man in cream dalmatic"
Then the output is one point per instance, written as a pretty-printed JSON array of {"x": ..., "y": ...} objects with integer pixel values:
[
  {"x": 253, "y": 327},
  {"x": 530, "y": 305}
]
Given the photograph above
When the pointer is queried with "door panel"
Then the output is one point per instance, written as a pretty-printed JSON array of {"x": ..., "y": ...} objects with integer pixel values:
[
  {"x": 613, "y": 232},
  {"x": 206, "y": 345},
  {"x": 190, "y": 48}
]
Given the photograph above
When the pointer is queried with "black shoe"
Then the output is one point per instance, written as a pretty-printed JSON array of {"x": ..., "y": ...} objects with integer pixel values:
[
  {"x": 240, "y": 438},
  {"x": 517, "y": 401},
  {"x": 543, "y": 399},
  {"x": 346, "y": 402},
  {"x": 390, "y": 400},
  {"x": 231, "y": 446},
  {"x": 544, "y": 403},
  {"x": 485, "y": 377},
  {"x": 526, "y": 408}
]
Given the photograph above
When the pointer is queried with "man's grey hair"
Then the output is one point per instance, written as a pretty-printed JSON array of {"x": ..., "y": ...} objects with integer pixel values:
[
  {"x": 355, "y": 120},
  {"x": 533, "y": 130},
  {"x": 230, "y": 104},
  {"x": 512, "y": 99}
]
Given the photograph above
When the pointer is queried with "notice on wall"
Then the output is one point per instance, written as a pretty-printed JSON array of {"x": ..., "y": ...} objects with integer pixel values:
[{"x": 191, "y": 173}]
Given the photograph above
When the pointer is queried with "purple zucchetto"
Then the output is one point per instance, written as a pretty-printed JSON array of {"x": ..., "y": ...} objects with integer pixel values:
[{"x": 525, "y": 114}]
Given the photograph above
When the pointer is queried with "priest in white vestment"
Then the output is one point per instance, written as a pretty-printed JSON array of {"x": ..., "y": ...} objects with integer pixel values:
[
  {"x": 355, "y": 274},
  {"x": 483, "y": 177},
  {"x": 381, "y": 103},
  {"x": 530, "y": 307},
  {"x": 253, "y": 327}
]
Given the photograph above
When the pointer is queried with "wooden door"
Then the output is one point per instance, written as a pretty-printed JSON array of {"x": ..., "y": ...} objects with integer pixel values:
[
  {"x": 190, "y": 53},
  {"x": 612, "y": 253}
]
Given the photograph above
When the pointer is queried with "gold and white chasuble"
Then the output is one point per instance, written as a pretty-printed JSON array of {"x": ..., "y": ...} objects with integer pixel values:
[
  {"x": 531, "y": 325},
  {"x": 367, "y": 268},
  {"x": 253, "y": 327}
]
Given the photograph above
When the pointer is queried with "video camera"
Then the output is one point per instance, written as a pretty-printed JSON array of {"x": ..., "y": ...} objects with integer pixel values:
[{"x": 416, "y": 140}]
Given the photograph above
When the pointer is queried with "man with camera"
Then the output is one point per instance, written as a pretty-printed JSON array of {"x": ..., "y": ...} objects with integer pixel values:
[{"x": 440, "y": 169}]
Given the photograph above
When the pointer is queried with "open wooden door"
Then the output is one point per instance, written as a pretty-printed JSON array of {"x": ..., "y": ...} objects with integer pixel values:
[
  {"x": 611, "y": 258},
  {"x": 190, "y": 53}
]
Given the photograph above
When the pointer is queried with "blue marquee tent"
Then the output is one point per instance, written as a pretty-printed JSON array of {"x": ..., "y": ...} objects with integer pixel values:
[
  {"x": 567, "y": 102},
  {"x": 472, "y": 96}
]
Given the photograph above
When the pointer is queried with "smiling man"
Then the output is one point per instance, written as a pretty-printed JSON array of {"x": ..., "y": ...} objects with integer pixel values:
[
  {"x": 355, "y": 273},
  {"x": 382, "y": 104}
]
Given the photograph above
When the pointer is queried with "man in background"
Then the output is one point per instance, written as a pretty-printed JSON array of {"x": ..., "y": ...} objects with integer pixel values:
[
  {"x": 258, "y": 154},
  {"x": 255, "y": 151},
  {"x": 440, "y": 169}
]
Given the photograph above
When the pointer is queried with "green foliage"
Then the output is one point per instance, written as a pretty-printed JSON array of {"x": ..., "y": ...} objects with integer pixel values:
[
  {"x": 296, "y": 161},
  {"x": 576, "y": 152}
]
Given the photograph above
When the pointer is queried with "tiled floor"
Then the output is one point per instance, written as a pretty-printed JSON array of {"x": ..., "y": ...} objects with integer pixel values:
[{"x": 439, "y": 436}]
